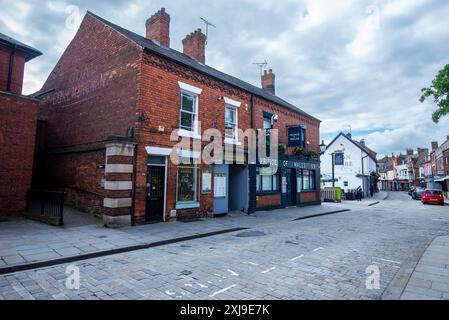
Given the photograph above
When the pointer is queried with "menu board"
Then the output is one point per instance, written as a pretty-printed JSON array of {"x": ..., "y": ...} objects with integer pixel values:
[
  {"x": 220, "y": 185},
  {"x": 206, "y": 183}
]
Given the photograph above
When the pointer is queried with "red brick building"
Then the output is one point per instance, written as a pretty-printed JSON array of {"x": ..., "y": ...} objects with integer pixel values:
[
  {"x": 18, "y": 117},
  {"x": 111, "y": 104}
]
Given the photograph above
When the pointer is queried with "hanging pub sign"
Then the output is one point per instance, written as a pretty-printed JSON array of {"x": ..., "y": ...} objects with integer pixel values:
[
  {"x": 295, "y": 138},
  {"x": 339, "y": 159}
]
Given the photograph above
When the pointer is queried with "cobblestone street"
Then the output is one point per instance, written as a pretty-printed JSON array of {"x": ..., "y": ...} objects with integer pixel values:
[{"x": 319, "y": 258}]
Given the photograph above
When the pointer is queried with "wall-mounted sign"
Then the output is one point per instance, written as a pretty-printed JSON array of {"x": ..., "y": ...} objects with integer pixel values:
[
  {"x": 284, "y": 184},
  {"x": 289, "y": 164},
  {"x": 220, "y": 185},
  {"x": 206, "y": 181},
  {"x": 295, "y": 138},
  {"x": 339, "y": 159}
]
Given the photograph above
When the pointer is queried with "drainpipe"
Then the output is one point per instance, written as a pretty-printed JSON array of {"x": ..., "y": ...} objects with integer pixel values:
[{"x": 252, "y": 204}]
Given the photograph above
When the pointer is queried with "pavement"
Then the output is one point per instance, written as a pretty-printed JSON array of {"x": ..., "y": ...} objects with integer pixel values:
[
  {"x": 279, "y": 257},
  {"x": 27, "y": 244},
  {"x": 430, "y": 278}
]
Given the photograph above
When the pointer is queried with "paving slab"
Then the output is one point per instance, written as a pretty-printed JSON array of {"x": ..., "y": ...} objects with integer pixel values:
[
  {"x": 430, "y": 277},
  {"x": 24, "y": 241}
]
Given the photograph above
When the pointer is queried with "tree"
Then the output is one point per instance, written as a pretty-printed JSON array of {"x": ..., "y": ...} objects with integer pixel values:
[{"x": 439, "y": 90}]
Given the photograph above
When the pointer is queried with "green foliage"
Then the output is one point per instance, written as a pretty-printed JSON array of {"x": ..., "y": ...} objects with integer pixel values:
[{"x": 439, "y": 90}]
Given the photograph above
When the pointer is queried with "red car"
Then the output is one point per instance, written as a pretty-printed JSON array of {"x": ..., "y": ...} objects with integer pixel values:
[{"x": 433, "y": 196}]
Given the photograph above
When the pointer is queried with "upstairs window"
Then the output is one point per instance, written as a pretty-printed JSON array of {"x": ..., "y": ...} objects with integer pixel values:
[
  {"x": 188, "y": 112},
  {"x": 231, "y": 122},
  {"x": 189, "y": 109}
]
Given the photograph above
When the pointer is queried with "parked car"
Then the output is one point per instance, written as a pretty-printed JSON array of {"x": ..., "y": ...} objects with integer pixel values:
[
  {"x": 410, "y": 191},
  {"x": 433, "y": 196},
  {"x": 417, "y": 194}
]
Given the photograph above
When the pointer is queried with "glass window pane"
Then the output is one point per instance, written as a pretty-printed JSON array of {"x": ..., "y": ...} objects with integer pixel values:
[
  {"x": 258, "y": 188},
  {"x": 266, "y": 123},
  {"x": 187, "y": 103},
  {"x": 267, "y": 183},
  {"x": 275, "y": 182},
  {"x": 187, "y": 182},
  {"x": 187, "y": 121}
]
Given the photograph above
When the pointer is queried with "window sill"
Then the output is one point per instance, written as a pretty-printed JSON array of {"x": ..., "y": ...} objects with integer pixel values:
[
  {"x": 187, "y": 205},
  {"x": 189, "y": 134},
  {"x": 232, "y": 141},
  {"x": 267, "y": 193}
]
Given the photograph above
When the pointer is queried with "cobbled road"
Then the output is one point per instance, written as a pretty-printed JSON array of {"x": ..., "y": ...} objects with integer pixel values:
[{"x": 320, "y": 258}]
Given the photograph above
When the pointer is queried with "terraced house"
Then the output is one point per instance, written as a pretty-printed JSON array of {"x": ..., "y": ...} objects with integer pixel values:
[{"x": 109, "y": 108}]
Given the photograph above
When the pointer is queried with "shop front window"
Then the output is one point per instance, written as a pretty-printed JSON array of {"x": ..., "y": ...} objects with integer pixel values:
[
  {"x": 187, "y": 185},
  {"x": 267, "y": 181},
  {"x": 308, "y": 180}
]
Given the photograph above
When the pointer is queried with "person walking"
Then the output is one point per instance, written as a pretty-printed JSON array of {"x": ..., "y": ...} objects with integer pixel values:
[
  {"x": 359, "y": 193},
  {"x": 372, "y": 190}
]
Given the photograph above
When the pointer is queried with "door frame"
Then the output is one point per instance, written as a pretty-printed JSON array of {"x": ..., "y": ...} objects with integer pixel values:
[
  {"x": 165, "y": 185},
  {"x": 293, "y": 192}
]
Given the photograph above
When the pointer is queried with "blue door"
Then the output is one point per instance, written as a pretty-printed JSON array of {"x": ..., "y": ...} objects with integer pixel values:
[{"x": 221, "y": 189}]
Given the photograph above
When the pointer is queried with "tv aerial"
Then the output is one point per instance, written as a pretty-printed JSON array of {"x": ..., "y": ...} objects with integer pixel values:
[
  {"x": 208, "y": 24},
  {"x": 261, "y": 65}
]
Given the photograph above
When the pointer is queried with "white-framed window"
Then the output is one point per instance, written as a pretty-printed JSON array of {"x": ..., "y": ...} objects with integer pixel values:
[
  {"x": 231, "y": 122},
  {"x": 266, "y": 181},
  {"x": 189, "y": 112},
  {"x": 189, "y": 106}
]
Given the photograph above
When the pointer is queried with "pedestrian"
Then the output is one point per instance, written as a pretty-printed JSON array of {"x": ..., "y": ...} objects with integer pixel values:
[
  {"x": 372, "y": 190},
  {"x": 359, "y": 193}
]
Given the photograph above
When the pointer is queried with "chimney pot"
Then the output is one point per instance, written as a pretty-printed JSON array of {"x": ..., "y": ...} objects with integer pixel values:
[
  {"x": 158, "y": 28},
  {"x": 269, "y": 82},
  {"x": 195, "y": 45},
  {"x": 434, "y": 145}
]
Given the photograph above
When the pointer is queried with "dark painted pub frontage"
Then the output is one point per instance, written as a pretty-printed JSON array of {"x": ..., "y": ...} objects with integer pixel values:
[{"x": 296, "y": 177}]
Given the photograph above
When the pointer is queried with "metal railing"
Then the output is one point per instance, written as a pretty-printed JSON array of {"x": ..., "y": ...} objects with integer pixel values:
[{"x": 46, "y": 206}]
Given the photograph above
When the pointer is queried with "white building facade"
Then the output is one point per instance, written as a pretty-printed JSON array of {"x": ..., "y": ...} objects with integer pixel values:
[{"x": 354, "y": 165}]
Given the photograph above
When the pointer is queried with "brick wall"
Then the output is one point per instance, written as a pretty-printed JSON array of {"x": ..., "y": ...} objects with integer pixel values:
[
  {"x": 269, "y": 200},
  {"x": 159, "y": 102},
  {"x": 308, "y": 197},
  {"x": 17, "y": 138},
  {"x": 287, "y": 118},
  {"x": 79, "y": 175},
  {"x": 17, "y": 71},
  {"x": 93, "y": 97},
  {"x": 95, "y": 88}
]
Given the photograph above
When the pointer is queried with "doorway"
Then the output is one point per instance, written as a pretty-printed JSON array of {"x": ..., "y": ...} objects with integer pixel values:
[
  {"x": 155, "y": 194},
  {"x": 291, "y": 189}
]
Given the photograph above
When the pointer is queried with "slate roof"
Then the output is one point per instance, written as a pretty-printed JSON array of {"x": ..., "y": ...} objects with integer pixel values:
[
  {"x": 367, "y": 150},
  {"x": 30, "y": 52},
  {"x": 191, "y": 63}
]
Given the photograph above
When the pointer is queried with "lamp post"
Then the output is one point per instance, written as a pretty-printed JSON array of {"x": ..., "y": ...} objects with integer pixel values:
[{"x": 323, "y": 149}]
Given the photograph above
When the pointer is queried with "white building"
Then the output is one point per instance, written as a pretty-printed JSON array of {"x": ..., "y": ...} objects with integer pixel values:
[{"x": 352, "y": 162}]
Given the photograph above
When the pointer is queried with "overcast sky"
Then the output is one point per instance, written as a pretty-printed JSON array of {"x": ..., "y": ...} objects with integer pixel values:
[{"x": 348, "y": 62}]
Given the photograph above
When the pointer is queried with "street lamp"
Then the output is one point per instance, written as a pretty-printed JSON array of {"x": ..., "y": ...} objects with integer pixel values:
[{"x": 323, "y": 147}]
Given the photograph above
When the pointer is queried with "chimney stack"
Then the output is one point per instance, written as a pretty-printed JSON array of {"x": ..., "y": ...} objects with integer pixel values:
[
  {"x": 434, "y": 145},
  {"x": 410, "y": 152},
  {"x": 269, "y": 81},
  {"x": 158, "y": 28},
  {"x": 195, "y": 45},
  {"x": 363, "y": 143}
]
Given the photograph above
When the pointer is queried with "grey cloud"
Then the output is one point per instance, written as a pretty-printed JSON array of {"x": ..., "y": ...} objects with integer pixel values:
[{"x": 375, "y": 90}]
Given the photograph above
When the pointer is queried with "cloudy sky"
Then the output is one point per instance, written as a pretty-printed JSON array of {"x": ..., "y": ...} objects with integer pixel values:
[{"x": 347, "y": 62}]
